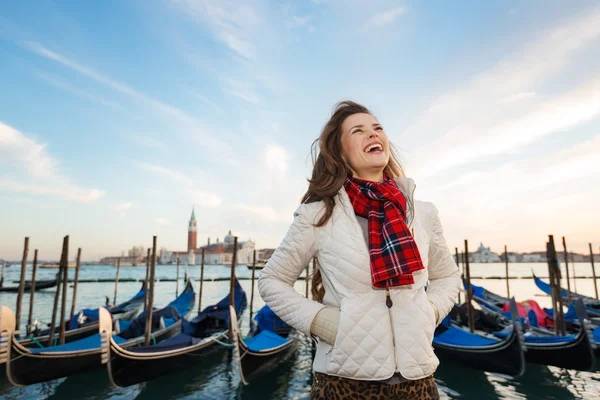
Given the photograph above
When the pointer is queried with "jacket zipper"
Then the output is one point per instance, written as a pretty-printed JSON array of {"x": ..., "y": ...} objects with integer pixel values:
[
  {"x": 389, "y": 303},
  {"x": 388, "y": 299}
]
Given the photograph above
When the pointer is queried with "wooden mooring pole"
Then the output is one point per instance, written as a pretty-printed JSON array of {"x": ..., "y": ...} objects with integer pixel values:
[
  {"x": 574, "y": 276},
  {"x": 117, "y": 281},
  {"x": 76, "y": 283},
  {"x": 469, "y": 289},
  {"x": 201, "y": 282},
  {"x": 3, "y": 271},
  {"x": 593, "y": 271},
  {"x": 252, "y": 291},
  {"x": 151, "y": 298},
  {"x": 232, "y": 285},
  {"x": 32, "y": 291},
  {"x": 507, "y": 276},
  {"x": 146, "y": 281},
  {"x": 554, "y": 274},
  {"x": 566, "y": 256},
  {"x": 457, "y": 266},
  {"x": 22, "y": 283},
  {"x": 65, "y": 285},
  {"x": 57, "y": 294},
  {"x": 177, "y": 280}
]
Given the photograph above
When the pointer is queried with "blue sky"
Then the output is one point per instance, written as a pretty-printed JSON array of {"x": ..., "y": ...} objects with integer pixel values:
[{"x": 117, "y": 116}]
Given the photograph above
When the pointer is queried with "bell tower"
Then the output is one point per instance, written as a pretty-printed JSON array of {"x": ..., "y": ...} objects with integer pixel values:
[{"x": 192, "y": 231}]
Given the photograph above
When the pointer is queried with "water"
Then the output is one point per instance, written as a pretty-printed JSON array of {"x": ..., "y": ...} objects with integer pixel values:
[{"x": 216, "y": 378}]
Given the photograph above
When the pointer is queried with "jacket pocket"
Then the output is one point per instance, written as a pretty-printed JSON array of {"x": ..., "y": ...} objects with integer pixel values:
[{"x": 363, "y": 346}]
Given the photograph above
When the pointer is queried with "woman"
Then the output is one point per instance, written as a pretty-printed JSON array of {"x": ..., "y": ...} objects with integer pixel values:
[{"x": 377, "y": 249}]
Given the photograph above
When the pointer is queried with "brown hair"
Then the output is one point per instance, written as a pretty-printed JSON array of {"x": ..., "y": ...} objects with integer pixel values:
[{"x": 330, "y": 171}]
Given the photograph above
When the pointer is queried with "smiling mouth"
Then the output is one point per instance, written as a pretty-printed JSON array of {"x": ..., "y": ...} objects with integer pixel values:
[{"x": 373, "y": 148}]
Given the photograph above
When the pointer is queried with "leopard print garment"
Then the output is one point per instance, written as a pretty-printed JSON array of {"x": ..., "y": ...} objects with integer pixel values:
[{"x": 327, "y": 387}]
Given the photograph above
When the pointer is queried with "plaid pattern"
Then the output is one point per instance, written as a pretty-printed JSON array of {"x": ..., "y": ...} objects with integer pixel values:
[{"x": 392, "y": 248}]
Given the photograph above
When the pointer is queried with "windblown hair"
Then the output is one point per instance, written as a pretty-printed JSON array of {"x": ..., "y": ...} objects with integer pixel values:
[{"x": 330, "y": 171}]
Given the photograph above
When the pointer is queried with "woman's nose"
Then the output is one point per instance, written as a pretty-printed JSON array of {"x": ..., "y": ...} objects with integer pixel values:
[{"x": 373, "y": 133}]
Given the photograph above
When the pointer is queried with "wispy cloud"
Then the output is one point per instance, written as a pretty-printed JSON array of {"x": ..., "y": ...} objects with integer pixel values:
[
  {"x": 230, "y": 23},
  {"x": 121, "y": 208},
  {"x": 500, "y": 110},
  {"x": 60, "y": 84},
  {"x": 265, "y": 213},
  {"x": 384, "y": 18},
  {"x": 40, "y": 172},
  {"x": 206, "y": 100},
  {"x": 200, "y": 198},
  {"x": 170, "y": 173},
  {"x": 148, "y": 141},
  {"x": 162, "y": 221},
  {"x": 177, "y": 114},
  {"x": 242, "y": 90}
]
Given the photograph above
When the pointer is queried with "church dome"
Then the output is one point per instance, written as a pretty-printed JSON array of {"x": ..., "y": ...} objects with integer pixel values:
[{"x": 228, "y": 238}]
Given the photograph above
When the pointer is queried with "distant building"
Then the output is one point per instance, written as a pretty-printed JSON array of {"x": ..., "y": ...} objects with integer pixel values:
[
  {"x": 533, "y": 257},
  {"x": 484, "y": 255},
  {"x": 264, "y": 254},
  {"x": 125, "y": 261},
  {"x": 218, "y": 253}
]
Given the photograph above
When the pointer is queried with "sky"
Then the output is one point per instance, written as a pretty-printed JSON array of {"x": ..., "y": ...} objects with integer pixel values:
[{"x": 118, "y": 117}]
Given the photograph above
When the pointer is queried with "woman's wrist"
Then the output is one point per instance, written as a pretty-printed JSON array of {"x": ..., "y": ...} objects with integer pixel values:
[{"x": 325, "y": 324}]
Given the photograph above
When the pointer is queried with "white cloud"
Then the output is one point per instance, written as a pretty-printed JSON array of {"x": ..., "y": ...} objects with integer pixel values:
[
  {"x": 192, "y": 124},
  {"x": 230, "y": 23},
  {"x": 384, "y": 18},
  {"x": 170, "y": 173},
  {"x": 502, "y": 109},
  {"x": 267, "y": 213},
  {"x": 40, "y": 172},
  {"x": 162, "y": 221},
  {"x": 121, "y": 208},
  {"x": 242, "y": 90},
  {"x": 276, "y": 159},
  {"x": 148, "y": 141},
  {"x": 206, "y": 199}
]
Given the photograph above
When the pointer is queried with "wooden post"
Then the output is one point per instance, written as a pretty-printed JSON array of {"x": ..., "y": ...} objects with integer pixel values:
[
  {"x": 252, "y": 290},
  {"x": 507, "y": 281},
  {"x": 32, "y": 290},
  {"x": 457, "y": 266},
  {"x": 232, "y": 284},
  {"x": 63, "y": 308},
  {"x": 22, "y": 283},
  {"x": 177, "y": 280},
  {"x": 566, "y": 256},
  {"x": 593, "y": 270},
  {"x": 151, "y": 298},
  {"x": 201, "y": 282},
  {"x": 469, "y": 290},
  {"x": 554, "y": 273},
  {"x": 77, "y": 266},
  {"x": 147, "y": 283},
  {"x": 117, "y": 280},
  {"x": 3, "y": 270},
  {"x": 574, "y": 276},
  {"x": 57, "y": 294}
]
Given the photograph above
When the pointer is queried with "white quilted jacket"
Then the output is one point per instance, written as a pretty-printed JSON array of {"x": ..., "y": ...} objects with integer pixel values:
[{"x": 373, "y": 341}]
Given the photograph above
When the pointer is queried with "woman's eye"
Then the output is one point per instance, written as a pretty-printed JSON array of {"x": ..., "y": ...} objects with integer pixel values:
[{"x": 379, "y": 128}]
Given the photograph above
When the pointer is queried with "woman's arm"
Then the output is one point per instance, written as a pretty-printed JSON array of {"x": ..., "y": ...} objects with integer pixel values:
[
  {"x": 444, "y": 278},
  {"x": 276, "y": 282}
]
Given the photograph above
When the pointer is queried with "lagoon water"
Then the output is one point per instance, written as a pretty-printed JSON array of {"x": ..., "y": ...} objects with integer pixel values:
[{"x": 217, "y": 378}]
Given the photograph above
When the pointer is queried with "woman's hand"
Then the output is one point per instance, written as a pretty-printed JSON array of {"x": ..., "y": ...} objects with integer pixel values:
[{"x": 325, "y": 324}]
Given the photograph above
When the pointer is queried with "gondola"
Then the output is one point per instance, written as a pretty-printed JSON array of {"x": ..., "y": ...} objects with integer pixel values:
[
  {"x": 39, "y": 285},
  {"x": 592, "y": 305},
  {"x": 200, "y": 337},
  {"x": 85, "y": 322},
  {"x": 271, "y": 341},
  {"x": 573, "y": 351},
  {"x": 456, "y": 345},
  {"x": 26, "y": 366}
]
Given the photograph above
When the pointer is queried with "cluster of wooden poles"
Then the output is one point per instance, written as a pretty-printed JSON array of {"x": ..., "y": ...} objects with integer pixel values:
[{"x": 554, "y": 274}]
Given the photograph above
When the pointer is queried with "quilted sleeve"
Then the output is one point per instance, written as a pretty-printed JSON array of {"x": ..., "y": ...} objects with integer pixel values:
[
  {"x": 276, "y": 282},
  {"x": 444, "y": 277}
]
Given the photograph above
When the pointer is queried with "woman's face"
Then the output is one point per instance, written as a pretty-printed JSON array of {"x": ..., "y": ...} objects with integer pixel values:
[{"x": 365, "y": 146}]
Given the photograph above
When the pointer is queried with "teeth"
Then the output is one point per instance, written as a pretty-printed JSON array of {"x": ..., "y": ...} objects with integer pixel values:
[{"x": 372, "y": 146}]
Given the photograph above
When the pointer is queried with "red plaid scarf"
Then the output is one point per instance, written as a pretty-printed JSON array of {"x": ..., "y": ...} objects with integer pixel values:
[{"x": 392, "y": 248}]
